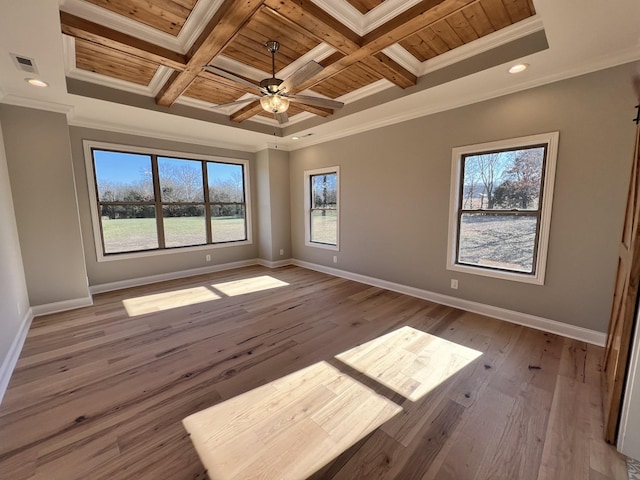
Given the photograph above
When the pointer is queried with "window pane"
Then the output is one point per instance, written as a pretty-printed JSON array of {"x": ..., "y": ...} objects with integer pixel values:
[
  {"x": 499, "y": 241},
  {"x": 228, "y": 223},
  {"x": 184, "y": 225},
  {"x": 503, "y": 180},
  {"x": 127, "y": 228},
  {"x": 180, "y": 180},
  {"x": 324, "y": 226},
  {"x": 123, "y": 177},
  {"x": 324, "y": 191},
  {"x": 226, "y": 183}
]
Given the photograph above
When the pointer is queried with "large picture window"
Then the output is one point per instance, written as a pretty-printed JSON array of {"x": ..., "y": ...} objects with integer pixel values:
[
  {"x": 148, "y": 201},
  {"x": 501, "y": 195},
  {"x": 321, "y": 212}
]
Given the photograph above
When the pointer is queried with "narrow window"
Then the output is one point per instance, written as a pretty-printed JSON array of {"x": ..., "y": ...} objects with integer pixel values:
[
  {"x": 322, "y": 213},
  {"x": 227, "y": 198},
  {"x": 501, "y": 207},
  {"x": 183, "y": 206}
]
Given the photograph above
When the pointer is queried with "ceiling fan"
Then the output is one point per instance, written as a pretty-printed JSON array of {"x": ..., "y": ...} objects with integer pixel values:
[{"x": 276, "y": 93}]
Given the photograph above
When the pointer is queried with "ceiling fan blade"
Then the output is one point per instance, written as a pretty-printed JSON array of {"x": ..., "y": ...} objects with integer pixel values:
[
  {"x": 316, "y": 101},
  {"x": 300, "y": 76},
  {"x": 231, "y": 76},
  {"x": 237, "y": 102},
  {"x": 281, "y": 117}
]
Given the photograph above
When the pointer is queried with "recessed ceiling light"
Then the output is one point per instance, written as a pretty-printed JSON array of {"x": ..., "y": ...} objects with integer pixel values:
[
  {"x": 36, "y": 83},
  {"x": 520, "y": 67},
  {"x": 295, "y": 138}
]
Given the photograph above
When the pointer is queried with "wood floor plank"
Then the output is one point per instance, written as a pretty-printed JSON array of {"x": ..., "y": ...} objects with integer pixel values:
[
  {"x": 566, "y": 450},
  {"x": 100, "y": 392}
]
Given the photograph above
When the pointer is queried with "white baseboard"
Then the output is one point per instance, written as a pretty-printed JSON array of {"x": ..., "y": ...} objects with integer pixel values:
[
  {"x": 62, "y": 306},
  {"x": 10, "y": 360},
  {"x": 136, "y": 282},
  {"x": 276, "y": 264},
  {"x": 539, "y": 323}
]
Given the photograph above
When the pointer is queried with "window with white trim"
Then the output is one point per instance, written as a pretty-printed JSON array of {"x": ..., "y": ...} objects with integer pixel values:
[
  {"x": 146, "y": 201},
  {"x": 322, "y": 217},
  {"x": 500, "y": 210}
]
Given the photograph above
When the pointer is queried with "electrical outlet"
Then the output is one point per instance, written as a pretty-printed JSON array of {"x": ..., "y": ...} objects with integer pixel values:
[
  {"x": 282, "y": 251},
  {"x": 335, "y": 259},
  {"x": 207, "y": 258},
  {"x": 454, "y": 283}
]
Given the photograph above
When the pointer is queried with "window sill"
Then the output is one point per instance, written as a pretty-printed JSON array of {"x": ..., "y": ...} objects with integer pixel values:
[
  {"x": 153, "y": 253},
  {"x": 325, "y": 246},
  {"x": 512, "y": 276}
]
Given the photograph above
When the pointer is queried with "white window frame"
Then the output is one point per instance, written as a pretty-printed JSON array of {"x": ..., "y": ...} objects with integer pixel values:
[
  {"x": 458, "y": 153},
  {"x": 93, "y": 199},
  {"x": 307, "y": 207}
]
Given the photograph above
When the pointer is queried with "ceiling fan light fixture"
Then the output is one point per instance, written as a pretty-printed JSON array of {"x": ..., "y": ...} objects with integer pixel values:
[{"x": 274, "y": 103}]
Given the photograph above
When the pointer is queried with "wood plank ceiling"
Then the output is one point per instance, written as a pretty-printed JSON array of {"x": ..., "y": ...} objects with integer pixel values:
[{"x": 235, "y": 37}]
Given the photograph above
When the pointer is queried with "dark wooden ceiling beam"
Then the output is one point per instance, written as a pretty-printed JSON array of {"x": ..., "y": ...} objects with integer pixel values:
[
  {"x": 393, "y": 71},
  {"x": 99, "y": 34},
  {"x": 322, "y": 26},
  {"x": 317, "y": 23},
  {"x": 219, "y": 32},
  {"x": 404, "y": 25},
  {"x": 247, "y": 112}
]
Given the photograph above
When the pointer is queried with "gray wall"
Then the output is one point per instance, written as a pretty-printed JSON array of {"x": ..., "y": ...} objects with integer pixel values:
[
  {"x": 394, "y": 189},
  {"x": 14, "y": 301},
  {"x": 119, "y": 270},
  {"x": 274, "y": 221},
  {"x": 263, "y": 189},
  {"x": 44, "y": 198},
  {"x": 280, "y": 200}
]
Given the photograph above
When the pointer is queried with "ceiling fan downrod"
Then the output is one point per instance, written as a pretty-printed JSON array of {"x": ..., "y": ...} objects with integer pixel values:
[{"x": 272, "y": 84}]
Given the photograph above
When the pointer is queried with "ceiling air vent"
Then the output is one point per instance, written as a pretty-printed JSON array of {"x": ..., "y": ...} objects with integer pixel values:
[{"x": 25, "y": 64}]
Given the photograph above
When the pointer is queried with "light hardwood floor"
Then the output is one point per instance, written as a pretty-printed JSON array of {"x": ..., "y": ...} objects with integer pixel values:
[{"x": 100, "y": 392}]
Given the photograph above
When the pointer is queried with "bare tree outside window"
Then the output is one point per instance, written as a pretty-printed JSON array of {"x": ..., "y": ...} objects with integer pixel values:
[
  {"x": 150, "y": 202},
  {"x": 499, "y": 208}
]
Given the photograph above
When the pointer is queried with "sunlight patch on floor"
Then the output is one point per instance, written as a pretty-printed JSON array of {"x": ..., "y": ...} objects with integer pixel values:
[
  {"x": 168, "y": 300},
  {"x": 289, "y": 428},
  {"x": 191, "y": 296},
  {"x": 408, "y": 361},
  {"x": 248, "y": 285}
]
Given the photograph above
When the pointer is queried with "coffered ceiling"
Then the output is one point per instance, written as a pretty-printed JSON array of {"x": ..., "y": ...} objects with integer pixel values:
[
  {"x": 162, "y": 45},
  {"x": 135, "y": 66}
]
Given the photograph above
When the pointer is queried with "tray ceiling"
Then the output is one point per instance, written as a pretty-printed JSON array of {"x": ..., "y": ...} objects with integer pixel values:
[{"x": 132, "y": 43}]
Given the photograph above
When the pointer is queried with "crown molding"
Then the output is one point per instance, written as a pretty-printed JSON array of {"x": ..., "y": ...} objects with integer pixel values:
[
  {"x": 152, "y": 133},
  {"x": 629, "y": 55},
  {"x": 488, "y": 42},
  {"x": 203, "y": 11},
  {"x": 192, "y": 28},
  {"x": 159, "y": 79},
  {"x": 102, "y": 16},
  {"x": 404, "y": 58},
  {"x": 361, "y": 24},
  {"x": 69, "y": 56},
  {"x": 385, "y": 12},
  {"x": 501, "y": 37},
  {"x": 49, "y": 106},
  {"x": 344, "y": 12}
]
